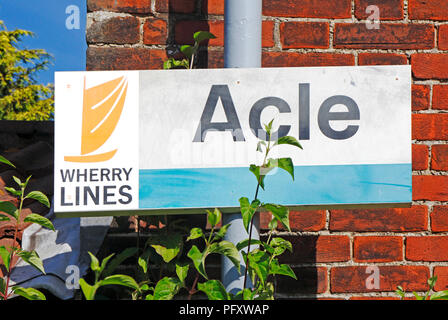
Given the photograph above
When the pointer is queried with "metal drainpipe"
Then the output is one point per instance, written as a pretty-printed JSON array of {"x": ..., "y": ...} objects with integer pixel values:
[{"x": 242, "y": 49}]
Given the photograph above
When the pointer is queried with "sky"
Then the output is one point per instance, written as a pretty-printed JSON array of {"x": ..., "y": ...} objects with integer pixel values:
[{"x": 59, "y": 27}]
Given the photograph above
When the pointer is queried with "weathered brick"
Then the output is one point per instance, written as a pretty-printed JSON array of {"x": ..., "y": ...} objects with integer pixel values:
[
  {"x": 433, "y": 188},
  {"x": 310, "y": 59},
  {"x": 439, "y": 219},
  {"x": 213, "y": 7},
  {"x": 353, "y": 278},
  {"x": 427, "y": 248},
  {"x": 440, "y": 97},
  {"x": 312, "y": 280},
  {"x": 117, "y": 30},
  {"x": 307, "y": 8},
  {"x": 124, "y": 58},
  {"x": 430, "y": 65},
  {"x": 421, "y": 97},
  {"x": 428, "y": 9},
  {"x": 367, "y": 220},
  {"x": 373, "y": 298},
  {"x": 185, "y": 29},
  {"x": 439, "y": 157},
  {"x": 443, "y": 37},
  {"x": 389, "y": 36},
  {"x": 310, "y": 249},
  {"x": 305, "y": 34},
  {"x": 378, "y": 249},
  {"x": 389, "y": 9},
  {"x": 155, "y": 31},
  {"x": 442, "y": 278},
  {"x": 430, "y": 126},
  {"x": 309, "y": 220},
  {"x": 175, "y": 6},
  {"x": 367, "y": 58},
  {"x": 131, "y": 6},
  {"x": 420, "y": 157}
]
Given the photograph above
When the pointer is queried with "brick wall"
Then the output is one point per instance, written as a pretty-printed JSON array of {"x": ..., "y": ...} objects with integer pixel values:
[{"x": 332, "y": 249}]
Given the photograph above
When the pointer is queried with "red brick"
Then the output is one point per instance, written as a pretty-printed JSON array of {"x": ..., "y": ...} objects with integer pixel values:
[
  {"x": 439, "y": 157},
  {"x": 433, "y": 188},
  {"x": 427, "y": 248},
  {"x": 373, "y": 298},
  {"x": 428, "y": 9},
  {"x": 305, "y": 35},
  {"x": 124, "y": 58},
  {"x": 267, "y": 36},
  {"x": 155, "y": 31},
  {"x": 322, "y": 248},
  {"x": 310, "y": 59},
  {"x": 312, "y": 280},
  {"x": 353, "y": 279},
  {"x": 117, "y": 30},
  {"x": 439, "y": 219},
  {"x": 365, "y": 58},
  {"x": 421, "y": 97},
  {"x": 442, "y": 278},
  {"x": 177, "y": 6},
  {"x": 185, "y": 29},
  {"x": 131, "y": 6},
  {"x": 367, "y": 220},
  {"x": 307, "y": 8},
  {"x": 310, "y": 220},
  {"x": 378, "y": 249},
  {"x": 440, "y": 97},
  {"x": 389, "y": 36},
  {"x": 420, "y": 156},
  {"x": 443, "y": 37},
  {"x": 213, "y": 7},
  {"x": 430, "y": 65},
  {"x": 389, "y": 9},
  {"x": 430, "y": 126}
]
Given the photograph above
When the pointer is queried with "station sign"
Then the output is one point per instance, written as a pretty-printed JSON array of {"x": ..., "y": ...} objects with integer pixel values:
[{"x": 181, "y": 141}]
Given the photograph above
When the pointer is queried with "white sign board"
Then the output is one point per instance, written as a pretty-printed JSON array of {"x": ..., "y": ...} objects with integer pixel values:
[{"x": 182, "y": 140}]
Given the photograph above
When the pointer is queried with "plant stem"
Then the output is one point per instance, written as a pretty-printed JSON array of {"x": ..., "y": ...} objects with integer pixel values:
[{"x": 193, "y": 290}]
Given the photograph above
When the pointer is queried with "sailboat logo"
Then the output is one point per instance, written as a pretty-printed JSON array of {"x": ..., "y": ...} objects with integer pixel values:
[{"x": 102, "y": 108}]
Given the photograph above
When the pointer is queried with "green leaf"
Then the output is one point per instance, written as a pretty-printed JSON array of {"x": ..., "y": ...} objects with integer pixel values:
[
  {"x": 195, "y": 233},
  {"x": 6, "y": 161},
  {"x": 8, "y": 208},
  {"x": 188, "y": 50},
  {"x": 273, "y": 223},
  {"x": 282, "y": 269},
  {"x": 248, "y": 210},
  {"x": 288, "y": 140},
  {"x": 94, "y": 263},
  {"x": 280, "y": 212},
  {"x": 268, "y": 127},
  {"x": 256, "y": 170},
  {"x": 5, "y": 254},
  {"x": 441, "y": 295},
  {"x": 214, "y": 290},
  {"x": 280, "y": 245},
  {"x": 143, "y": 264},
  {"x": 259, "y": 144},
  {"x": 222, "y": 232},
  {"x": 39, "y": 196},
  {"x": 214, "y": 217},
  {"x": 202, "y": 35},
  {"x": 29, "y": 293},
  {"x": 119, "y": 259},
  {"x": 259, "y": 263},
  {"x": 4, "y": 217},
  {"x": 105, "y": 261},
  {"x": 13, "y": 191},
  {"x": 245, "y": 243},
  {"x": 168, "y": 247},
  {"x": 17, "y": 180},
  {"x": 121, "y": 280},
  {"x": 417, "y": 297},
  {"x": 88, "y": 290},
  {"x": 32, "y": 258},
  {"x": 282, "y": 163},
  {"x": 182, "y": 272},
  {"x": 166, "y": 289},
  {"x": 229, "y": 250},
  {"x": 38, "y": 219},
  {"x": 2, "y": 286},
  {"x": 197, "y": 257},
  {"x": 432, "y": 282}
]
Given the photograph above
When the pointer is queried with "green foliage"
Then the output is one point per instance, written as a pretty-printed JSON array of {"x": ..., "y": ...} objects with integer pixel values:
[
  {"x": 189, "y": 52},
  {"x": 7, "y": 254},
  {"x": 21, "y": 97},
  {"x": 429, "y": 295}
]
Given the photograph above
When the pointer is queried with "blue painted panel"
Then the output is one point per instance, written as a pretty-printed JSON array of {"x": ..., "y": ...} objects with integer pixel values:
[{"x": 313, "y": 185}]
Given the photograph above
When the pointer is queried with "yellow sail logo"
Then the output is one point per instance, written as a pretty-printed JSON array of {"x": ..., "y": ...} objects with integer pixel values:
[{"x": 102, "y": 108}]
